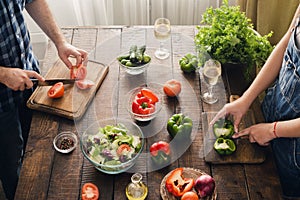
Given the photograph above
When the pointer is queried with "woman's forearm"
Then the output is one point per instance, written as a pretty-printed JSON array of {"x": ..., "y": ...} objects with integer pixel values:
[
  {"x": 289, "y": 128},
  {"x": 271, "y": 68}
]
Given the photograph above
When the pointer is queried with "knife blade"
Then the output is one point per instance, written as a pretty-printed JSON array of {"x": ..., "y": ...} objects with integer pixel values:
[{"x": 49, "y": 82}]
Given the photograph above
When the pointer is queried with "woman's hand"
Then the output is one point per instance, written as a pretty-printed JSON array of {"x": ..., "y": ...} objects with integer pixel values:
[
  {"x": 236, "y": 108},
  {"x": 18, "y": 79},
  {"x": 261, "y": 133},
  {"x": 66, "y": 50}
]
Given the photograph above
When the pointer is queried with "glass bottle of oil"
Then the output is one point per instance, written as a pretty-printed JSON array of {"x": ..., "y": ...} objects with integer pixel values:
[{"x": 136, "y": 190}]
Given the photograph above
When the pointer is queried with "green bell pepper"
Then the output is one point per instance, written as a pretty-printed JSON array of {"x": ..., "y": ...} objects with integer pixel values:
[
  {"x": 188, "y": 63},
  {"x": 223, "y": 128},
  {"x": 224, "y": 146},
  {"x": 180, "y": 125}
]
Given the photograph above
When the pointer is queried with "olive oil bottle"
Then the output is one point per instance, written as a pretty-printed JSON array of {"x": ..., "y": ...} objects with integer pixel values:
[{"x": 136, "y": 190}]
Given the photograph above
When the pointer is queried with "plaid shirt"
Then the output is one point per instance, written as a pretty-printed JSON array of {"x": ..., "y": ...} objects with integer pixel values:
[{"x": 15, "y": 47}]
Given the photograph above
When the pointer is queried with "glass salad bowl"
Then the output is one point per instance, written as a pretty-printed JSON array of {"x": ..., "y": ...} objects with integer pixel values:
[
  {"x": 112, "y": 145},
  {"x": 144, "y": 103}
]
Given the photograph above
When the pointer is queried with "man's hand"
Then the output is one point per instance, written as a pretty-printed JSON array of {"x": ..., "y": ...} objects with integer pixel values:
[
  {"x": 67, "y": 50},
  {"x": 18, "y": 79}
]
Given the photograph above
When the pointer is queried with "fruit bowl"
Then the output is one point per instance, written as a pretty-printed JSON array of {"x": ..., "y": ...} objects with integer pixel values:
[
  {"x": 132, "y": 103},
  {"x": 112, "y": 145}
]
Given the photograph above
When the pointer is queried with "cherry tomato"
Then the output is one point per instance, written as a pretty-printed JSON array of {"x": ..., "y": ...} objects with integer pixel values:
[
  {"x": 78, "y": 72},
  {"x": 84, "y": 84},
  {"x": 190, "y": 195},
  {"x": 150, "y": 94},
  {"x": 123, "y": 147},
  {"x": 89, "y": 191},
  {"x": 56, "y": 91},
  {"x": 172, "y": 88}
]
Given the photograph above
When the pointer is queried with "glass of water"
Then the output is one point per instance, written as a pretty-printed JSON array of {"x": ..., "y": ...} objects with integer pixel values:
[
  {"x": 162, "y": 31},
  {"x": 211, "y": 72}
]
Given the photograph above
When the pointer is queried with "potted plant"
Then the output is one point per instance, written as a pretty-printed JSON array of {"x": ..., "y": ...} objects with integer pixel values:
[{"x": 227, "y": 35}]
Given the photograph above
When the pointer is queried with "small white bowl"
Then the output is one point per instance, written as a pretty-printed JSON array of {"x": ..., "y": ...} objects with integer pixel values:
[
  {"x": 135, "y": 70},
  {"x": 65, "y": 142}
]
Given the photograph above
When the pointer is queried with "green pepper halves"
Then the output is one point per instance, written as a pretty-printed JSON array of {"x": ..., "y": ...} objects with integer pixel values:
[
  {"x": 188, "y": 63},
  {"x": 224, "y": 146},
  {"x": 223, "y": 130},
  {"x": 180, "y": 125}
]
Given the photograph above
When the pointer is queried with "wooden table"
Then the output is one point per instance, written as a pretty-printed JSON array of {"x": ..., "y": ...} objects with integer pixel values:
[{"x": 47, "y": 174}]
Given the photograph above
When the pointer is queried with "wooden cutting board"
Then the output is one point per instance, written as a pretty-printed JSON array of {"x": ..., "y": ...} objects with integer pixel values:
[
  {"x": 75, "y": 101},
  {"x": 246, "y": 152}
]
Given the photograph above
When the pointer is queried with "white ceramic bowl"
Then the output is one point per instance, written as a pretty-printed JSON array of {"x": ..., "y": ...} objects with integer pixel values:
[{"x": 136, "y": 69}]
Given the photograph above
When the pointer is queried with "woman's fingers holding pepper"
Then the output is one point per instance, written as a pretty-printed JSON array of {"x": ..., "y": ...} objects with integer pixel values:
[{"x": 244, "y": 132}]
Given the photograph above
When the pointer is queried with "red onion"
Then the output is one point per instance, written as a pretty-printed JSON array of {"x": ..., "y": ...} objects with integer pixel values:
[{"x": 204, "y": 185}]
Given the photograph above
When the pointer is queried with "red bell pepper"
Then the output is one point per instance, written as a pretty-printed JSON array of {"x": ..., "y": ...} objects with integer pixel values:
[
  {"x": 177, "y": 184},
  {"x": 142, "y": 105},
  {"x": 160, "y": 152}
]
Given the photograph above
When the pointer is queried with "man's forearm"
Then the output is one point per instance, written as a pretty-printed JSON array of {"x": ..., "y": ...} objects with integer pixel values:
[{"x": 41, "y": 14}]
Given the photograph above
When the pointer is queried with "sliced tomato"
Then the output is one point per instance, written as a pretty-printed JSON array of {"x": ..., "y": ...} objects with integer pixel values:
[
  {"x": 123, "y": 147},
  {"x": 150, "y": 94},
  {"x": 56, "y": 91},
  {"x": 78, "y": 72},
  {"x": 84, "y": 84},
  {"x": 89, "y": 192}
]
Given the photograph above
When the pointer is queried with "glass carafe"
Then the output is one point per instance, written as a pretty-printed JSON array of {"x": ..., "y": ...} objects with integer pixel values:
[{"x": 136, "y": 190}]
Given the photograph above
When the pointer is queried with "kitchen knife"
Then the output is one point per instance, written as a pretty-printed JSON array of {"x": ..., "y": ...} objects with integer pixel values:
[{"x": 49, "y": 82}]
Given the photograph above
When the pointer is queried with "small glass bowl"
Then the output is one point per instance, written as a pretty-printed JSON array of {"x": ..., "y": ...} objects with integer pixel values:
[
  {"x": 65, "y": 142},
  {"x": 143, "y": 117},
  {"x": 135, "y": 70}
]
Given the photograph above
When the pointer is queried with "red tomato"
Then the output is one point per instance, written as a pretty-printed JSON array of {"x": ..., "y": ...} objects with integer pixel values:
[
  {"x": 123, "y": 147},
  {"x": 172, "y": 88},
  {"x": 150, "y": 94},
  {"x": 189, "y": 196},
  {"x": 89, "y": 192},
  {"x": 78, "y": 72},
  {"x": 56, "y": 91},
  {"x": 84, "y": 84}
]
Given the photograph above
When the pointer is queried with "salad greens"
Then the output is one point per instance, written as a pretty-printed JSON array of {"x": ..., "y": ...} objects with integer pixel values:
[
  {"x": 107, "y": 146},
  {"x": 229, "y": 37}
]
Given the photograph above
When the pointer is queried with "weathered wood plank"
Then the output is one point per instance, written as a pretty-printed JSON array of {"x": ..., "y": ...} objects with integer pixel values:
[
  {"x": 66, "y": 172},
  {"x": 106, "y": 49}
]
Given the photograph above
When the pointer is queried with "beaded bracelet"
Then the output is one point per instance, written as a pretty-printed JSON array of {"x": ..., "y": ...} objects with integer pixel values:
[{"x": 274, "y": 130}]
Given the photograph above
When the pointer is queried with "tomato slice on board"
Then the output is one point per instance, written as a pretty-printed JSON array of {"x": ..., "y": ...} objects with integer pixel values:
[
  {"x": 78, "y": 72},
  {"x": 56, "y": 91},
  {"x": 89, "y": 192},
  {"x": 150, "y": 94},
  {"x": 84, "y": 84}
]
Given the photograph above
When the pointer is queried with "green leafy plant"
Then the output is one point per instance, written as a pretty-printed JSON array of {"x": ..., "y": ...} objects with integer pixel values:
[{"x": 227, "y": 35}]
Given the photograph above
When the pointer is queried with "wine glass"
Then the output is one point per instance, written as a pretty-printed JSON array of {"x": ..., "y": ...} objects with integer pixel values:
[
  {"x": 211, "y": 72},
  {"x": 162, "y": 31}
]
